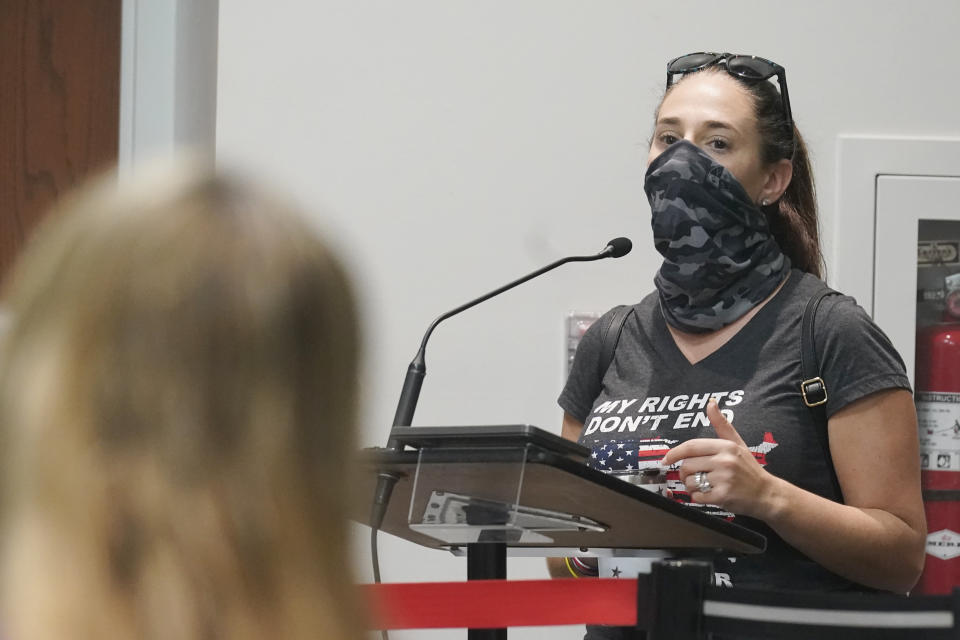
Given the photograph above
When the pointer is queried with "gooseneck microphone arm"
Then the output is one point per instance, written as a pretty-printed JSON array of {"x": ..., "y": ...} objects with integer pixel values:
[{"x": 410, "y": 393}]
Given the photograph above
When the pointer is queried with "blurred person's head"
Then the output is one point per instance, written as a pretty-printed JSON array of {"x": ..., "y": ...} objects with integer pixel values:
[{"x": 177, "y": 395}]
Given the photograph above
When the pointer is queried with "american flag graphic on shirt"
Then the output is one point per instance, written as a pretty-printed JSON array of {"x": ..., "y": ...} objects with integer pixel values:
[{"x": 629, "y": 457}]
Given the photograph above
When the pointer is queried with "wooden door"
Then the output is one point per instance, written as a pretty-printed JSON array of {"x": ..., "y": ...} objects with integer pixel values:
[{"x": 59, "y": 105}]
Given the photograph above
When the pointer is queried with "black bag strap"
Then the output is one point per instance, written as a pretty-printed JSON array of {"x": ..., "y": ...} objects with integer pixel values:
[
  {"x": 610, "y": 335},
  {"x": 813, "y": 389}
]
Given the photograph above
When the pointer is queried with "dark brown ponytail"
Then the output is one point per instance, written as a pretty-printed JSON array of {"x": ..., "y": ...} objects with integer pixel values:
[{"x": 793, "y": 218}]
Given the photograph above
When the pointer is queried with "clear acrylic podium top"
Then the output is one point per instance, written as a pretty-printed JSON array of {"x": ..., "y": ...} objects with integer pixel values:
[{"x": 532, "y": 490}]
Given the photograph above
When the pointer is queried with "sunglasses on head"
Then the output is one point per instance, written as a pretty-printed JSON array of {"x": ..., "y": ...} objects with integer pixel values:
[{"x": 748, "y": 68}]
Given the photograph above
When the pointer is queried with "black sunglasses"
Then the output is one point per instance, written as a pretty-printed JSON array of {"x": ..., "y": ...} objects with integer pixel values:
[{"x": 748, "y": 68}]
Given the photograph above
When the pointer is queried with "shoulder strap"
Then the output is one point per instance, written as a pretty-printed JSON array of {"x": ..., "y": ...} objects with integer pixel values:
[
  {"x": 610, "y": 334},
  {"x": 813, "y": 389}
]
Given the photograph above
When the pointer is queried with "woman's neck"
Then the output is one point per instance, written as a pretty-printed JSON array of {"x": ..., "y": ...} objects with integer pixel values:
[{"x": 697, "y": 346}]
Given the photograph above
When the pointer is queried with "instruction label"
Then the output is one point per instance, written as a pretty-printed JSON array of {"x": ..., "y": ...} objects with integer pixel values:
[{"x": 938, "y": 416}]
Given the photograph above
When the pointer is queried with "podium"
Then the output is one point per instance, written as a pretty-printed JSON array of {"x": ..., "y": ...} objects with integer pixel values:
[{"x": 485, "y": 491}]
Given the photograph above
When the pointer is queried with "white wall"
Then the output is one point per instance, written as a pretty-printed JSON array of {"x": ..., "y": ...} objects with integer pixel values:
[{"x": 451, "y": 146}]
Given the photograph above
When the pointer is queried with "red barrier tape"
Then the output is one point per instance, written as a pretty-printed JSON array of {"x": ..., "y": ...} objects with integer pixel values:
[{"x": 493, "y": 604}]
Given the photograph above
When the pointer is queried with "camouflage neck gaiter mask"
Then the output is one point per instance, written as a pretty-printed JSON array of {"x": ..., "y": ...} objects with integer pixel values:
[{"x": 720, "y": 258}]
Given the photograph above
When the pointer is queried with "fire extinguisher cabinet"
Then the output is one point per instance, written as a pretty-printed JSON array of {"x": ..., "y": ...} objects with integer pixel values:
[{"x": 898, "y": 240}]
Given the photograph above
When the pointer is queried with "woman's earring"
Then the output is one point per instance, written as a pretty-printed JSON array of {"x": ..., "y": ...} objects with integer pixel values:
[{"x": 764, "y": 202}]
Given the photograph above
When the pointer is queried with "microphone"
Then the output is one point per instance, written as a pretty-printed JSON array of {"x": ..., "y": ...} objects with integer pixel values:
[
  {"x": 618, "y": 247},
  {"x": 410, "y": 393}
]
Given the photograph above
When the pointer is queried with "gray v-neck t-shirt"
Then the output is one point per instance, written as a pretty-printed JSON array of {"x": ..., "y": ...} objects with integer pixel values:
[{"x": 651, "y": 398}]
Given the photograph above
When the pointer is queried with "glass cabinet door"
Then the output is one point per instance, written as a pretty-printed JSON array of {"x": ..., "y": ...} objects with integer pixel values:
[
  {"x": 937, "y": 359},
  {"x": 917, "y": 302}
]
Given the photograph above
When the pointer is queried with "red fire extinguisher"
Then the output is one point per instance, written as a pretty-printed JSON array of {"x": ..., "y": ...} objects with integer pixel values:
[{"x": 938, "y": 412}]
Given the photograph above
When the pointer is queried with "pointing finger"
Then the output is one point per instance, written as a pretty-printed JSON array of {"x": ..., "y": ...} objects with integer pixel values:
[{"x": 721, "y": 425}]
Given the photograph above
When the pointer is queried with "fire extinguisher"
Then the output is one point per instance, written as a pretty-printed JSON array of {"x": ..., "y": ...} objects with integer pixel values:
[{"x": 938, "y": 413}]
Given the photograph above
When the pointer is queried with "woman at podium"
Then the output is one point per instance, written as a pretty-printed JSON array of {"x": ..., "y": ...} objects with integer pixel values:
[{"x": 706, "y": 382}]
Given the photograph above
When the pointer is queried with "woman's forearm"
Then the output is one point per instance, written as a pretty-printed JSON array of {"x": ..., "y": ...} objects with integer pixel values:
[
  {"x": 870, "y": 546},
  {"x": 877, "y": 538}
]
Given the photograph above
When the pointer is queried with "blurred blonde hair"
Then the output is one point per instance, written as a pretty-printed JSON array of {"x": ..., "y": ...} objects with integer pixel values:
[{"x": 177, "y": 402}]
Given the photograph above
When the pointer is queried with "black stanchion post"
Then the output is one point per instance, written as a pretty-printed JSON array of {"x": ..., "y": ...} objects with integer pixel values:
[
  {"x": 487, "y": 561},
  {"x": 676, "y": 599}
]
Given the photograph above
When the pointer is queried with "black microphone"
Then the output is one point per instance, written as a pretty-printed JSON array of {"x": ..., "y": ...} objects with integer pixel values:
[
  {"x": 410, "y": 393},
  {"x": 616, "y": 248}
]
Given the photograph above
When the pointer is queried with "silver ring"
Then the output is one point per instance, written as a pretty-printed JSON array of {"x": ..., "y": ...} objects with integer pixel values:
[{"x": 703, "y": 485}]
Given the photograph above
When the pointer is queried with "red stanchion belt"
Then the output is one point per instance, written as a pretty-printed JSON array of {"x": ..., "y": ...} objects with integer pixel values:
[{"x": 492, "y": 604}]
